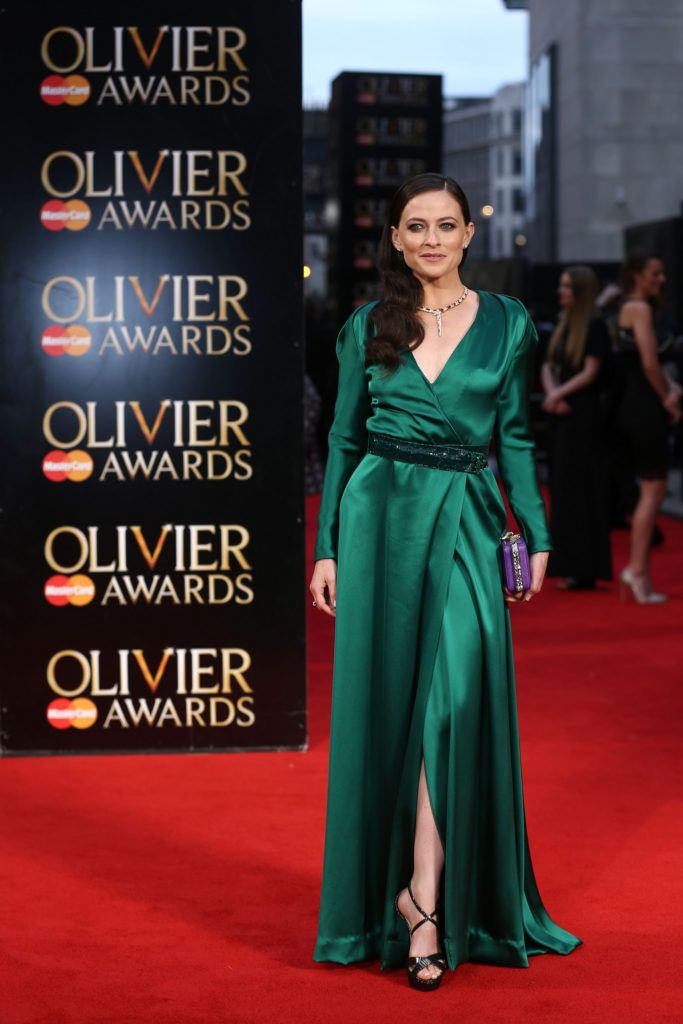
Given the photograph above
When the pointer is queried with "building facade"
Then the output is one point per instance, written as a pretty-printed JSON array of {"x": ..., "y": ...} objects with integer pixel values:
[
  {"x": 384, "y": 128},
  {"x": 315, "y": 143},
  {"x": 604, "y": 123},
  {"x": 315, "y": 175},
  {"x": 484, "y": 152},
  {"x": 467, "y": 159},
  {"x": 507, "y": 171}
]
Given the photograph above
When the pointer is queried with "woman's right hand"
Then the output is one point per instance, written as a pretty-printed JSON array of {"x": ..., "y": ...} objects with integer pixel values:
[
  {"x": 323, "y": 585},
  {"x": 672, "y": 405},
  {"x": 556, "y": 406}
]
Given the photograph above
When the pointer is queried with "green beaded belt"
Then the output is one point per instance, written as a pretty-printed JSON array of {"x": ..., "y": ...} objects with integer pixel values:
[{"x": 463, "y": 458}]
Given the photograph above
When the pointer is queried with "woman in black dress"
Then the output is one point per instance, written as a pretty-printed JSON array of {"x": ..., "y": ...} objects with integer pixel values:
[
  {"x": 571, "y": 375},
  {"x": 649, "y": 404}
]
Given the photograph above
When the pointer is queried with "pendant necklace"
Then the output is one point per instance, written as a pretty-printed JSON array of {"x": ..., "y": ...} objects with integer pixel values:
[{"x": 438, "y": 311}]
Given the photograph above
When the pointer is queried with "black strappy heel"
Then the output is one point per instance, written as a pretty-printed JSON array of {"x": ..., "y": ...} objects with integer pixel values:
[{"x": 415, "y": 964}]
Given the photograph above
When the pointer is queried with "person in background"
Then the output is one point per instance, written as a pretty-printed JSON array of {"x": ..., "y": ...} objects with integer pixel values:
[
  {"x": 571, "y": 376},
  {"x": 649, "y": 404}
]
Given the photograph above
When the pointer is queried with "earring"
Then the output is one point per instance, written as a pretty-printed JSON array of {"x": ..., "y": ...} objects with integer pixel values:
[
  {"x": 464, "y": 248},
  {"x": 398, "y": 250}
]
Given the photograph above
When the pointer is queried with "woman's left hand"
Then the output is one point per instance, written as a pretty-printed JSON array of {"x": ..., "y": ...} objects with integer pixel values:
[
  {"x": 555, "y": 404},
  {"x": 538, "y": 563}
]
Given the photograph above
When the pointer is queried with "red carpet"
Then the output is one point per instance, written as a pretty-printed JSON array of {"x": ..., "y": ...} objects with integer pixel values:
[{"x": 182, "y": 889}]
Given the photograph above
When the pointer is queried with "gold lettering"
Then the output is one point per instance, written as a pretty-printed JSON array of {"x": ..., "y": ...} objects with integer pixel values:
[
  {"x": 82, "y": 549},
  {"x": 235, "y": 672},
  {"x": 231, "y": 50},
  {"x": 47, "y": 166},
  {"x": 81, "y": 424},
  {"x": 149, "y": 433},
  {"x": 81, "y": 686},
  {"x": 149, "y": 307},
  {"x": 58, "y": 283},
  {"x": 147, "y": 58},
  {"x": 152, "y": 680},
  {"x": 45, "y": 49},
  {"x": 150, "y": 558},
  {"x": 147, "y": 183}
]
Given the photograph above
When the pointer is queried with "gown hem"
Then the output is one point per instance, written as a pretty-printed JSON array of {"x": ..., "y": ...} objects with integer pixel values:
[{"x": 480, "y": 948}]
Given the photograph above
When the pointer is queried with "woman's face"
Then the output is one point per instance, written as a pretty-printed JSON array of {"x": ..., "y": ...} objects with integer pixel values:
[
  {"x": 565, "y": 292},
  {"x": 432, "y": 233},
  {"x": 651, "y": 279}
]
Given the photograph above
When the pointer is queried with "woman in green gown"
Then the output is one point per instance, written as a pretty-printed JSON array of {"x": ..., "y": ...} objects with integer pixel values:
[{"x": 425, "y": 811}]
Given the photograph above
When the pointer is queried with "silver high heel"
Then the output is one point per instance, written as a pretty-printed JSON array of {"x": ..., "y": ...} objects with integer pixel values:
[{"x": 639, "y": 587}]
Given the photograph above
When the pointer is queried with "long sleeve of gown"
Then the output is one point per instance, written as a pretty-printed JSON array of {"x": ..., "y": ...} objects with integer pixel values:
[
  {"x": 515, "y": 445},
  {"x": 347, "y": 438}
]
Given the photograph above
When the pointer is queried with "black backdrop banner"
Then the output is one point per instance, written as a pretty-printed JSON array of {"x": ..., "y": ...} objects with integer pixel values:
[{"x": 152, "y": 378}]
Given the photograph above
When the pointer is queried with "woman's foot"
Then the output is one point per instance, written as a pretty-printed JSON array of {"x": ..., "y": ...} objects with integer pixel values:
[
  {"x": 424, "y": 940},
  {"x": 640, "y": 587}
]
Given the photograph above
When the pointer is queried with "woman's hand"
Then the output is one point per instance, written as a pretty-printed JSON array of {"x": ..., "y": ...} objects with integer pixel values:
[
  {"x": 555, "y": 404},
  {"x": 323, "y": 585},
  {"x": 538, "y": 563},
  {"x": 672, "y": 403}
]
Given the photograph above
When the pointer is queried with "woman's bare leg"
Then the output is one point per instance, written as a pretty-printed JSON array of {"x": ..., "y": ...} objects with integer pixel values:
[
  {"x": 428, "y": 861},
  {"x": 652, "y": 493}
]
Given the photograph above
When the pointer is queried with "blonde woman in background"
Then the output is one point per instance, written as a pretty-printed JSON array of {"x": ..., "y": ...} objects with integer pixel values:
[{"x": 572, "y": 375}]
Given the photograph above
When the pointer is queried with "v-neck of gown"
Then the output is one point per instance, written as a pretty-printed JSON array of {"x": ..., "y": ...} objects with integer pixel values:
[{"x": 455, "y": 348}]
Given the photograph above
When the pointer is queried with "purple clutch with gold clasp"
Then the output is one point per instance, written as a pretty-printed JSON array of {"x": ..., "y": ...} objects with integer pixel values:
[{"x": 515, "y": 559}]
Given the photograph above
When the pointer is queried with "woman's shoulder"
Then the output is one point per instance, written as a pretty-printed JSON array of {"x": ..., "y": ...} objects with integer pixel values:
[
  {"x": 356, "y": 328},
  {"x": 357, "y": 321},
  {"x": 634, "y": 311},
  {"x": 510, "y": 319},
  {"x": 509, "y": 311},
  {"x": 510, "y": 305},
  {"x": 361, "y": 313}
]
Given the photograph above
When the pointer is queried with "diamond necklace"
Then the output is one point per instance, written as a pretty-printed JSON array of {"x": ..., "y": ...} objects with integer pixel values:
[{"x": 438, "y": 311}]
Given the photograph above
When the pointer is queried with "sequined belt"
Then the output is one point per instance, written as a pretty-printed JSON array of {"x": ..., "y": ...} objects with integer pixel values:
[{"x": 463, "y": 458}]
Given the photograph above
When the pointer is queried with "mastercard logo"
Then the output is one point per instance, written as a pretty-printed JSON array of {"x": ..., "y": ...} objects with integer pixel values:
[
  {"x": 74, "y": 590},
  {"x": 75, "y": 466},
  {"x": 72, "y": 340},
  {"x": 73, "y": 215},
  {"x": 73, "y": 90},
  {"x": 63, "y": 713}
]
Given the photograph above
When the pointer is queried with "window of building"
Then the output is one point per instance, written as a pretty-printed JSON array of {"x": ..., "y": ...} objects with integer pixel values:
[
  {"x": 518, "y": 200},
  {"x": 500, "y": 200},
  {"x": 500, "y": 158},
  {"x": 540, "y": 163},
  {"x": 517, "y": 120},
  {"x": 517, "y": 165}
]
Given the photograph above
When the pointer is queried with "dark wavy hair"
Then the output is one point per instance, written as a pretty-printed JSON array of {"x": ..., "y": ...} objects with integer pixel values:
[
  {"x": 635, "y": 262},
  {"x": 394, "y": 317}
]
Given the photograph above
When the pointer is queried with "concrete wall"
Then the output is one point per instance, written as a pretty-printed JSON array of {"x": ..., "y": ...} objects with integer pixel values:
[{"x": 620, "y": 116}]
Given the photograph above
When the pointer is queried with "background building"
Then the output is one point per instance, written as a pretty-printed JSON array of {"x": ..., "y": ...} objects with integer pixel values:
[
  {"x": 383, "y": 129},
  {"x": 315, "y": 175},
  {"x": 507, "y": 171},
  {"x": 484, "y": 152},
  {"x": 467, "y": 158},
  {"x": 605, "y": 131}
]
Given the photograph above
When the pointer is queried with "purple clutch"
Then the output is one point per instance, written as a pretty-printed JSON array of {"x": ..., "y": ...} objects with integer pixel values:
[{"x": 515, "y": 558}]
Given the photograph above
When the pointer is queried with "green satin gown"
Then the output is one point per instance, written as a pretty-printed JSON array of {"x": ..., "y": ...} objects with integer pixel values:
[{"x": 423, "y": 663}]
